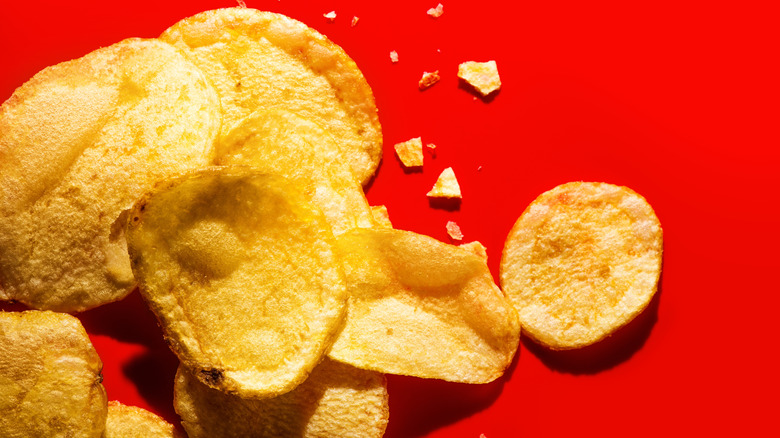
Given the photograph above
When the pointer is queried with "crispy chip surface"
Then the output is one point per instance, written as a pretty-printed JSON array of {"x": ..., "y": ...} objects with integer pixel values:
[
  {"x": 264, "y": 60},
  {"x": 582, "y": 261},
  {"x": 381, "y": 216},
  {"x": 446, "y": 186},
  {"x": 240, "y": 270},
  {"x": 49, "y": 377},
  {"x": 423, "y": 308},
  {"x": 337, "y": 400},
  {"x": 79, "y": 143},
  {"x": 283, "y": 143},
  {"x": 483, "y": 76},
  {"x": 410, "y": 152},
  {"x": 133, "y": 422}
]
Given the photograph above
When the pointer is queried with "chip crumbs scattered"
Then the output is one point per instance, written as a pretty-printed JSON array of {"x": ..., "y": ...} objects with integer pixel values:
[
  {"x": 330, "y": 16},
  {"x": 393, "y": 56},
  {"x": 454, "y": 231},
  {"x": 410, "y": 152},
  {"x": 446, "y": 186},
  {"x": 428, "y": 79},
  {"x": 483, "y": 76},
  {"x": 437, "y": 11}
]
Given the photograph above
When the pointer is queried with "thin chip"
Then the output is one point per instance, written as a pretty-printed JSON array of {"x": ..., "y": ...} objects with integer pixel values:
[
  {"x": 240, "y": 270},
  {"x": 453, "y": 230},
  {"x": 582, "y": 261},
  {"x": 80, "y": 142},
  {"x": 446, "y": 186},
  {"x": 49, "y": 377},
  {"x": 261, "y": 60},
  {"x": 428, "y": 79},
  {"x": 133, "y": 422},
  {"x": 423, "y": 308},
  {"x": 354, "y": 21},
  {"x": 336, "y": 400},
  {"x": 483, "y": 76},
  {"x": 330, "y": 16},
  {"x": 437, "y": 11},
  {"x": 381, "y": 216},
  {"x": 410, "y": 153}
]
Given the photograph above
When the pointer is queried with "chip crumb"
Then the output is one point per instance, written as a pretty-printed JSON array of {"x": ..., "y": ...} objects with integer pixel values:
[
  {"x": 410, "y": 152},
  {"x": 241, "y": 3},
  {"x": 482, "y": 435},
  {"x": 483, "y": 76},
  {"x": 446, "y": 186},
  {"x": 330, "y": 16},
  {"x": 454, "y": 231},
  {"x": 437, "y": 11},
  {"x": 428, "y": 79},
  {"x": 479, "y": 168},
  {"x": 355, "y": 20},
  {"x": 393, "y": 56},
  {"x": 431, "y": 149}
]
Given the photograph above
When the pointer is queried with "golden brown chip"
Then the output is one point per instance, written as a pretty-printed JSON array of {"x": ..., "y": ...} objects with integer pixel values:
[
  {"x": 428, "y": 79},
  {"x": 80, "y": 142},
  {"x": 446, "y": 186},
  {"x": 49, "y": 377},
  {"x": 264, "y": 60},
  {"x": 483, "y": 76},
  {"x": 423, "y": 308},
  {"x": 240, "y": 270},
  {"x": 280, "y": 142},
  {"x": 410, "y": 152},
  {"x": 133, "y": 422},
  {"x": 582, "y": 261},
  {"x": 337, "y": 400},
  {"x": 381, "y": 216},
  {"x": 453, "y": 229}
]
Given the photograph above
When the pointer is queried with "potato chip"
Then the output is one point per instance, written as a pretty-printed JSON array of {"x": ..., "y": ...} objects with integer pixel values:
[
  {"x": 423, "y": 308},
  {"x": 410, "y": 152},
  {"x": 428, "y": 79},
  {"x": 446, "y": 186},
  {"x": 337, "y": 400},
  {"x": 240, "y": 270},
  {"x": 49, "y": 377},
  {"x": 279, "y": 142},
  {"x": 264, "y": 60},
  {"x": 453, "y": 230},
  {"x": 133, "y": 422},
  {"x": 582, "y": 261},
  {"x": 381, "y": 216},
  {"x": 483, "y": 76},
  {"x": 80, "y": 142}
]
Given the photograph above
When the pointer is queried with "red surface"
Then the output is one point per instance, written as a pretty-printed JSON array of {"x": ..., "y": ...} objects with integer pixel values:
[{"x": 677, "y": 100}]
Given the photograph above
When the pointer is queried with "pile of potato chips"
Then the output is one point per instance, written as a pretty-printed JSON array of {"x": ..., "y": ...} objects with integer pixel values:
[{"x": 219, "y": 170}]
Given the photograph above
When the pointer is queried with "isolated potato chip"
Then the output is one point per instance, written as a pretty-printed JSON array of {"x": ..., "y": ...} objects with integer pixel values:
[
  {"x": 133, "y": 422},
  {"x": 446, "y": 186},
  {"x": 381, "y": 216},
  {"x": 582, "y": 261},
  {"x": 49, "y": 377},
  {"x": 264, "y": 60},
  {"x": 280, "y": 142},
  {"x": 423, "y": 308},
  {"x": 410, "y": 152},
  {"x": 79, "y": 143},
  {"x": 240, "y": 270},
  {"x": 483, "y": 76},
  {"x": 337, "y": 400}
]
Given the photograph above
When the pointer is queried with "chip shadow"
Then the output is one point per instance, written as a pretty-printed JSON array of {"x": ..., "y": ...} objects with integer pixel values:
[
  {"x": 463, "y": 85},
  {"x": 128, "y": 320},
  {"x": 153, "y": 374},
  {"x": 604, "y": 354}
]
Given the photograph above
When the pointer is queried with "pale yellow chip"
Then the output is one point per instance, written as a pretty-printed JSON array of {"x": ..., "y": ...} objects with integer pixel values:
[
  {"x": 446, "y": 186},
  {"x": 483, "y": 76},
  {"x": 241, "y": 272},
  {"x": 133, "y": 422},
  {"x": 50, "y": 381},
  {"x": 264, "y": 60},
  {"x": 410, "y": 152},
  {"x": 381, "y": 216},
  {"x": 423, "y": 308},
  {"x": 283, "y": 143},
  {"x": 80, "y": 142},
  {"x": 336, "y": 400},
  {"x": 582, "y": 261}
]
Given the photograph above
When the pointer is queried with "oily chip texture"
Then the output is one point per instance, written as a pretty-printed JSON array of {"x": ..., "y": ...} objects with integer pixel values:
[
  {"x": 49, "y": 377},
  {"x": 582, "y": 261},
  {"x": 423, "y": 308},
  {"x": 240, "y": 270},
  {"x": 264, "y": 60},
  {"x": 337, "y": 400},
  {"x": 133, "y": 422},
  {"x": 79, "y": 143},
  {"x": 284, "y": 143}
]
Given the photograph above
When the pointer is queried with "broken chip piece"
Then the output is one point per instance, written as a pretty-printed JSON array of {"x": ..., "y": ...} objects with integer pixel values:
[
  {"x": 582, "y": 261},
  {"x": 437, "y": 11},
  {"x": 428, "y": 79},
  {"x": 454, "y": 231},
  {"x": 446, "y": 186},
  {"x": 330, "y": 16},
  {"x": 410, "y": 153},
  {"x": 133, "y": 422},
  {"x": 393, "y": 56},
  {"x": 483, "y": 76}
]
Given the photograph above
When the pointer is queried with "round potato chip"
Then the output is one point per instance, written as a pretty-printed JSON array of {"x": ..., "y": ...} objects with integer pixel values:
[
  {"x": 79, "y": 143},
  {"x": 50, "y": 381},
  {"x": 337, "y": 400},
  {"x": 133, "y": 422},
  {"x": 241, "y": 272},
  {"x": 264, "y": 60},
  {"x": 582, "y": 261}
]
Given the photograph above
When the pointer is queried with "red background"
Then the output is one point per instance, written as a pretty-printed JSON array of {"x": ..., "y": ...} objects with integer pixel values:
[{"x": 677, "y": 100}]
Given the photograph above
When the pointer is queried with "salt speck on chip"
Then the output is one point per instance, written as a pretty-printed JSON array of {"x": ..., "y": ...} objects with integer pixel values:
[
  {"x": 446, "y": 186},
  {"x": 454, "y": 231},
  {"x": 437, "y": 11},
  {"x": 483, "y": 76},
  {"x": 428, "y": 79},
  {"x": 410, "y": 152}
]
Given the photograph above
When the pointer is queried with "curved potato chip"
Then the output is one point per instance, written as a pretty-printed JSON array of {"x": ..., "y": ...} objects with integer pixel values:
[
  {"x": 337, "y": 400},
  {"x": 279, "y": 142},
  {"x": 49, "y": 377},
  {"x": 423, "y": 308},
  {"x": 264, "y": 60},
  {"x": 240, "y": 271},
  {"x": 133, "y": 422},
  {"x": 79, "y": 143},
  {"x": 582, "y": 261}
]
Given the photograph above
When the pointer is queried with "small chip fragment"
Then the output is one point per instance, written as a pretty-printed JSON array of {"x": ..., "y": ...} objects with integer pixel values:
[
  {"x": 431, "y": 149},
  {"x": 381, "y": 216},
  {"x": 410, "y": 153},
  {"x": 428, "y": 79},
  {"x": 454, "y": 231},
  {"x": 446, "y": 186},
  {"x": 437, "y": 11},
  {"x": 393, "y": 56},
  {"x": 483, "y": 76},
  {"x": 133, "y": 422},
  {"x": 355, "y": 20},
  {"x": 330, "y": 16}
]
